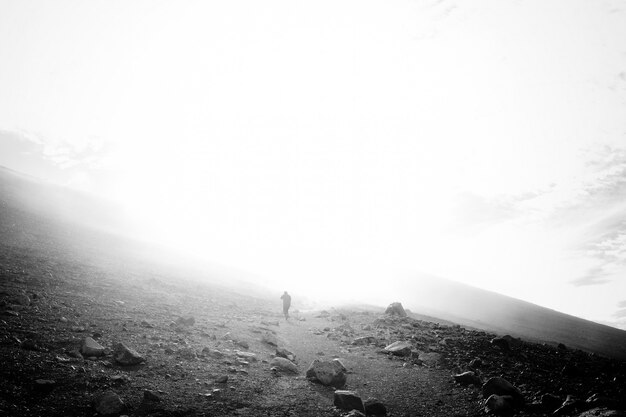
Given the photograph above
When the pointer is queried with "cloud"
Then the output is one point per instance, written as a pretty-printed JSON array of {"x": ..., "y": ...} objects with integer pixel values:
[
  {"x": 604, "y": 206},
  {"x": 620, "y": 313},
  {"x": 608, "y": 174},
  {"x": 622, "y": 304},
  {"x": 594, "y": 276},
  {"x": 65, "y": 163}
]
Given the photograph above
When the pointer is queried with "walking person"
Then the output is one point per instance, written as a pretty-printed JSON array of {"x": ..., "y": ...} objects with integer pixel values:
[{"x": 286, "y": 304}]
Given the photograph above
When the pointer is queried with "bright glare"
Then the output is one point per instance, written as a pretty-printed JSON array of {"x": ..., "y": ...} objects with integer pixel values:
[{"x": 332, "y": 146}]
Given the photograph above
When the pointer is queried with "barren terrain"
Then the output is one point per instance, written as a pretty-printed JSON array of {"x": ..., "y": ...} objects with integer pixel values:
[
  {"x": 51, "y": 304},
  {"x": 198, "y": 342}
]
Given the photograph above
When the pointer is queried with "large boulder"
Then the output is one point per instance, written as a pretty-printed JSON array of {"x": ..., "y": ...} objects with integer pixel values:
[
  {"x": 124, "y": 355},
  {"x": 91, "y": 348},
  {"x": 501, "y": 342},
  {"x": 326, "y": 372},
  {"x": 500, "y": 386},
  {"x": 399, "y": 348},
  {"x": 348, "y": 400},
  {"x": 501, "y": 405},
  {"x": 373, "y": 407},
  {"x": 396, "y": 309}
]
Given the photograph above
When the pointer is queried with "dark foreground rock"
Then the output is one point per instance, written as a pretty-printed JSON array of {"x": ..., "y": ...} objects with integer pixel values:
[
  {"x": 108, "y": 404},
  {"x": 502, "y": 387},
  {"x": 348, "y": 400},
  {"x": 124, "y": 355},
  {"x": 396, "y": 309},
  {"x": 331, "y": 373},
  {"x": 91, "y": 348}
]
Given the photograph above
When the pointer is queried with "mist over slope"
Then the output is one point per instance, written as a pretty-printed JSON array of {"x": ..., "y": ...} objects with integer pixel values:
[
  {"x": 57, "y": 223},
  {"x": 49, "y": 221},
  {"x": 501, "y": 314}
]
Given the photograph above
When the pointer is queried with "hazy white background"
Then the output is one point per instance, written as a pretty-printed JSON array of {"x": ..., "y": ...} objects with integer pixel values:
[{"x": 327, "y": 145}]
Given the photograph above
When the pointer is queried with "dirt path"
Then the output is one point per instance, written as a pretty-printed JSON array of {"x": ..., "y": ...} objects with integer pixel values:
[{"x": 406, "y": 389}]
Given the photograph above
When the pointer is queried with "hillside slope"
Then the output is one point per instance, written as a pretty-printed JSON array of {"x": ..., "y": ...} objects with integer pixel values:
[
  {"x": 53, "y": 221},
  {"x": 494, "y": 312}
]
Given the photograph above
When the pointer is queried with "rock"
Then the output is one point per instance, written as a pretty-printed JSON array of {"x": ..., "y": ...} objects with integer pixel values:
[
  {"x": 354, "y": 413},
  {"x": 373, "y": 407},
  {"x": 186, "y": 321},
  {"x": 91, "y": 348},
  {"x": 501, "y": 386},
  {"x": 551, "y": 402},
  {"x": 45, "y": 385},
  {"x": 29, "y": 344},
  {"x": 399, "y": 348},
  {"x": 149, "y": 404},
  {"x": 124, "y": 355},
  {"x": 120, "y": 379},
  {"x": 468, "y": 378},
  {"x": 602, "y": 412},
  {"x": 501, "y": 343},
  {"x": 340, "y": 364},
  {"x": 597, "y": 401},
  {"x": 145, "y": 323},
  {"x": 222, "y": 379},
  {"x": 249, "y": 356},
  {"x": 21, "y": 299},
  {"x": 429, "y": 358},
  {"x": 75, "y": 354},
  {"x": 571, "y": 369},
  {"x": 214, "y": 353},
  {"x": 187, "y": 353},
  {"x": 270, "y": 339},
  {"x": 396, "y": 309},
  {"x": 151, "y": 396},
  {"x": 569, "y": 406},
  {"x": 499, "y": 404},
  {"x": 284, "y": 353},
  {"x": 285, "y": 365},
  {"x": 348, "y": 400},
  {"x": 242, "y": 343},
  {"x": 476, "y": 363},
  {"x": 108, "y": 403},
  {"x": 326, "y": 372},
  {"x": 365, "y": 340}
]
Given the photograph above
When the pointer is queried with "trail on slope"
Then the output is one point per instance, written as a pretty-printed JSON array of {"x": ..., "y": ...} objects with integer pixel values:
[{"x": 406, "y": 389}]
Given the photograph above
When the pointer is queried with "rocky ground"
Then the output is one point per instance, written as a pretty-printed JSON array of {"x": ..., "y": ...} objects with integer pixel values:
[{"x": 79, "y": 339}]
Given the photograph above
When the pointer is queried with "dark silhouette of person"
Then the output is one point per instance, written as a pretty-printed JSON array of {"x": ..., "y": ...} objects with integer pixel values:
[{"x": 286, "y": 304}]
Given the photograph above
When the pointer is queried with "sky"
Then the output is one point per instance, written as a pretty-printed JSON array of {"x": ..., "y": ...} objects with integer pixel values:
[{"x": 326, "y": 145}]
